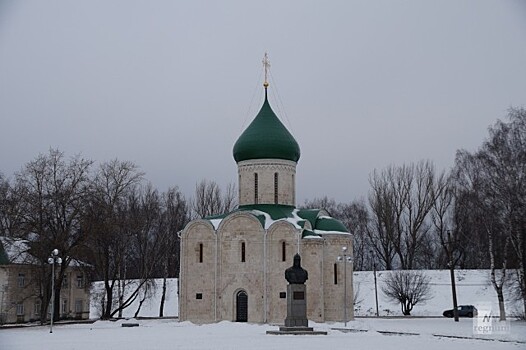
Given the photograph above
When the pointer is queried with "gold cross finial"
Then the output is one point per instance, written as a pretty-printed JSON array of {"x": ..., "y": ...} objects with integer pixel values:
[{"x": 266, "y": 64}]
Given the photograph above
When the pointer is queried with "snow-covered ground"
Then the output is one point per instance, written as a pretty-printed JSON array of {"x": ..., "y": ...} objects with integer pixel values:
[
  {"x": 171, "y": 334},
  {"x": 430, "y": 333}
]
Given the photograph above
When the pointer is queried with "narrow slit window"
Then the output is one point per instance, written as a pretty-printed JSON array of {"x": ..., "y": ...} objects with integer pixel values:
[
  {"x": 335, "y": 273},
  {"x": 242, "y": 251},
  {"x": 276, "y": 188},
  {"x": 283, "y": 251},
  {"x": 256, "y": 188},
  {"x": 293, "y": 190},
  {"x": 200, "y": 252}
]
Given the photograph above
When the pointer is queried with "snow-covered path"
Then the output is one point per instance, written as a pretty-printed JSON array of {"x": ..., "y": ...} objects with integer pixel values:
[{"x": 171, "y": 334}]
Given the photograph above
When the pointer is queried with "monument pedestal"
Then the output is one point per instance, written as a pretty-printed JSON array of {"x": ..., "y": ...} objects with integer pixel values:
[
  {"x": 296, "y": 306},
  {"x": 296, "y": 322}
]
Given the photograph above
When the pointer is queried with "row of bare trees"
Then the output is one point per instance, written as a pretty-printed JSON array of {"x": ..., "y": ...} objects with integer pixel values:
[
  {"x": 106, "y": 219},
  {"x": 473, "y": 216}
]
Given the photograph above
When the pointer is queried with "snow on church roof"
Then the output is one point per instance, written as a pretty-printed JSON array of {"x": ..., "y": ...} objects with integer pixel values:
[{"x": 319, "y": 222}]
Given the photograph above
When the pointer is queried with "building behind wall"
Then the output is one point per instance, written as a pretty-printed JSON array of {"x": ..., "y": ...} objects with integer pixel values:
[
  {"x": 233, "y": 264},
  {"x": 21, "y": 282}
]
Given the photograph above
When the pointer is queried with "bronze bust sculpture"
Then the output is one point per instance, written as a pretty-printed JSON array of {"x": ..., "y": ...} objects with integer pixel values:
[{"x": 296, "y": 274}]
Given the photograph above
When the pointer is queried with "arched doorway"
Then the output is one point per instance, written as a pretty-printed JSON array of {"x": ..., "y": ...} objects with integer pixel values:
[{"x": 241, "y": 306}]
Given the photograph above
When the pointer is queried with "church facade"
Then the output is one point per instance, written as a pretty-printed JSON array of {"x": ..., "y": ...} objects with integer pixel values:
[{"x": 233, "y": 265}]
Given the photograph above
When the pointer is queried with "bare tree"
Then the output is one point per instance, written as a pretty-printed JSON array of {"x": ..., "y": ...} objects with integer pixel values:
[
  {"x": 11, "y": 214},
  {"x": 493, "y": 185},
  {"x": 53, "y": 193},
  {"x": 355, "y": 217},
  {"x": 326, "y": 203},
  {"x": 106, "y": 223},
  {"x": 382, "y": 229},
  {"x": 175, "y": 217},
  {"x": 401, "y": 200},
  {"x": 210, "y": 200},
  {"x": 408, "y": 288}
]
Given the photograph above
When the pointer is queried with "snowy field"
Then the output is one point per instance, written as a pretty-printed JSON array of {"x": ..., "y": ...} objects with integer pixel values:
[
  {"x": 171, "y": 334},
  {"x": 369, "y": 333}
]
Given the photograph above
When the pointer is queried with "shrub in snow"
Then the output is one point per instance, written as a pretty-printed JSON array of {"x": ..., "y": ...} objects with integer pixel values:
[{"x": 407, "y": 287}]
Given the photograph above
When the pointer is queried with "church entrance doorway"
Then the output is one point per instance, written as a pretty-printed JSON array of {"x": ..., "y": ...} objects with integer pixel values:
[{"x": 241, "y": 306}]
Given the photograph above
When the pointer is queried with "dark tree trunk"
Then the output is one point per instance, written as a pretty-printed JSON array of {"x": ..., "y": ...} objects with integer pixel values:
[{"x": 163, "y": 297}]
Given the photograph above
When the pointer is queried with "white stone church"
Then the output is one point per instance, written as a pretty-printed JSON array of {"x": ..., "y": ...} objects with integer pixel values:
[{"x": 233, "y": 265}]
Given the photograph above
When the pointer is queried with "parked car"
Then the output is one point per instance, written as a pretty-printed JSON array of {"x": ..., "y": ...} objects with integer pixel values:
[{"x": 463, "y": 311}]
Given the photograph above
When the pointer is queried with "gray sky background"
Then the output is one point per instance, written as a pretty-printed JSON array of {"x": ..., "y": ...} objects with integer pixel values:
[{"x": 170, "y": 85}]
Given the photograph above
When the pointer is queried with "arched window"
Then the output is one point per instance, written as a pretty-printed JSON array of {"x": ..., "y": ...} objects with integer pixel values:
[
  {"x": 255, "y": 188},
  {"x": 200, "y": 252},
  {"x": 283, "y": 251},
  {"x": 335, "y": 273},
  {"x": 243, "y": 252},
  {"x": 276, "y": 188}
]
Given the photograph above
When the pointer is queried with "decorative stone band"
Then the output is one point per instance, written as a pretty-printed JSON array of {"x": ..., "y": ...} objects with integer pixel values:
[{"x": 253, "y": 165}]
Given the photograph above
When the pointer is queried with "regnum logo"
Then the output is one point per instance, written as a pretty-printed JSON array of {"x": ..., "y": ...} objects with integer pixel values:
[{"x": 486, "y": 321}]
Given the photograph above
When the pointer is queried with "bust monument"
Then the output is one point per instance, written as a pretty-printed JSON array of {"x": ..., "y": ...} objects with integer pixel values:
[{"x": 296, "y": 274}]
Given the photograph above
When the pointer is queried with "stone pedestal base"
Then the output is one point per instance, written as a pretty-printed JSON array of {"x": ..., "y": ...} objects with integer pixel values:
[
  {"x": 296, "y": 331},
  {"x": 296, "y": 306}
]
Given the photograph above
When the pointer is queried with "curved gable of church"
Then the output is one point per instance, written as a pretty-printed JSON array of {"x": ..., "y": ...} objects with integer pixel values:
[
  {"x": 199, "y": 225},
  {"x": 240, "y": 223}
]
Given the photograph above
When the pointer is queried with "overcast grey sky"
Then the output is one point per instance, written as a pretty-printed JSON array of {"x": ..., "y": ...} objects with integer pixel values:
[{"x": 167, "y": 84}]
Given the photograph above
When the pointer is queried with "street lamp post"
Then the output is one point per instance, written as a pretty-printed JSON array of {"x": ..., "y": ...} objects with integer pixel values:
[
  {"x": 345, "y": 259},
  {"x": 375, "y": 283},
  {"x": 52, "y": 260},
  {"x": 375, "y": 289}
]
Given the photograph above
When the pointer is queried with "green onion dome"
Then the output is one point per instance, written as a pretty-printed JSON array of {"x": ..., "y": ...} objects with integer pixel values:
[{"x": 266, "y": 138}]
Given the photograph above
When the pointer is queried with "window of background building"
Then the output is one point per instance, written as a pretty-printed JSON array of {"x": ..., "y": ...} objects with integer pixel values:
[
  {"x": 36, "y": 311},
  {"x": 21, "y": 280},
  {"x": 64, "y": 309},
  {"x": 78, "y": 305},
  {"x": 20, "y": 309},
  {"x": 80, "y": 281}
]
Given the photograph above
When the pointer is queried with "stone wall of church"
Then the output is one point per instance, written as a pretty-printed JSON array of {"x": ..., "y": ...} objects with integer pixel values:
[
  {"x": 237, "y": 272},
  {"x": 266, "y": 170},
  {"x": 334, "y": 285},
  {"x": 197, "y": 274},
  {"x": 238, "y": 263},
  {"x": 282, "y": 243},
  {"x": 312, "y": 261}
]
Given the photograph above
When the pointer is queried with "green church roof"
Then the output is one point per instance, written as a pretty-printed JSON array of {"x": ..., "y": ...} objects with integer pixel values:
[
  {"x": 266, "y": 138},
  {"x": 267, "y": 214}
]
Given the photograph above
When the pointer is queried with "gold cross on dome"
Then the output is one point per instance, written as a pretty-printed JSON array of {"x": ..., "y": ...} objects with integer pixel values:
[{"x": 266, "y": 65}]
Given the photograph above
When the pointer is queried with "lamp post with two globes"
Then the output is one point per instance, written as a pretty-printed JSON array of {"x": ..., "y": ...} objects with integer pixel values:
[
  {"x": 52, "y": 260},
  {"x": 345, "y": 259}
]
